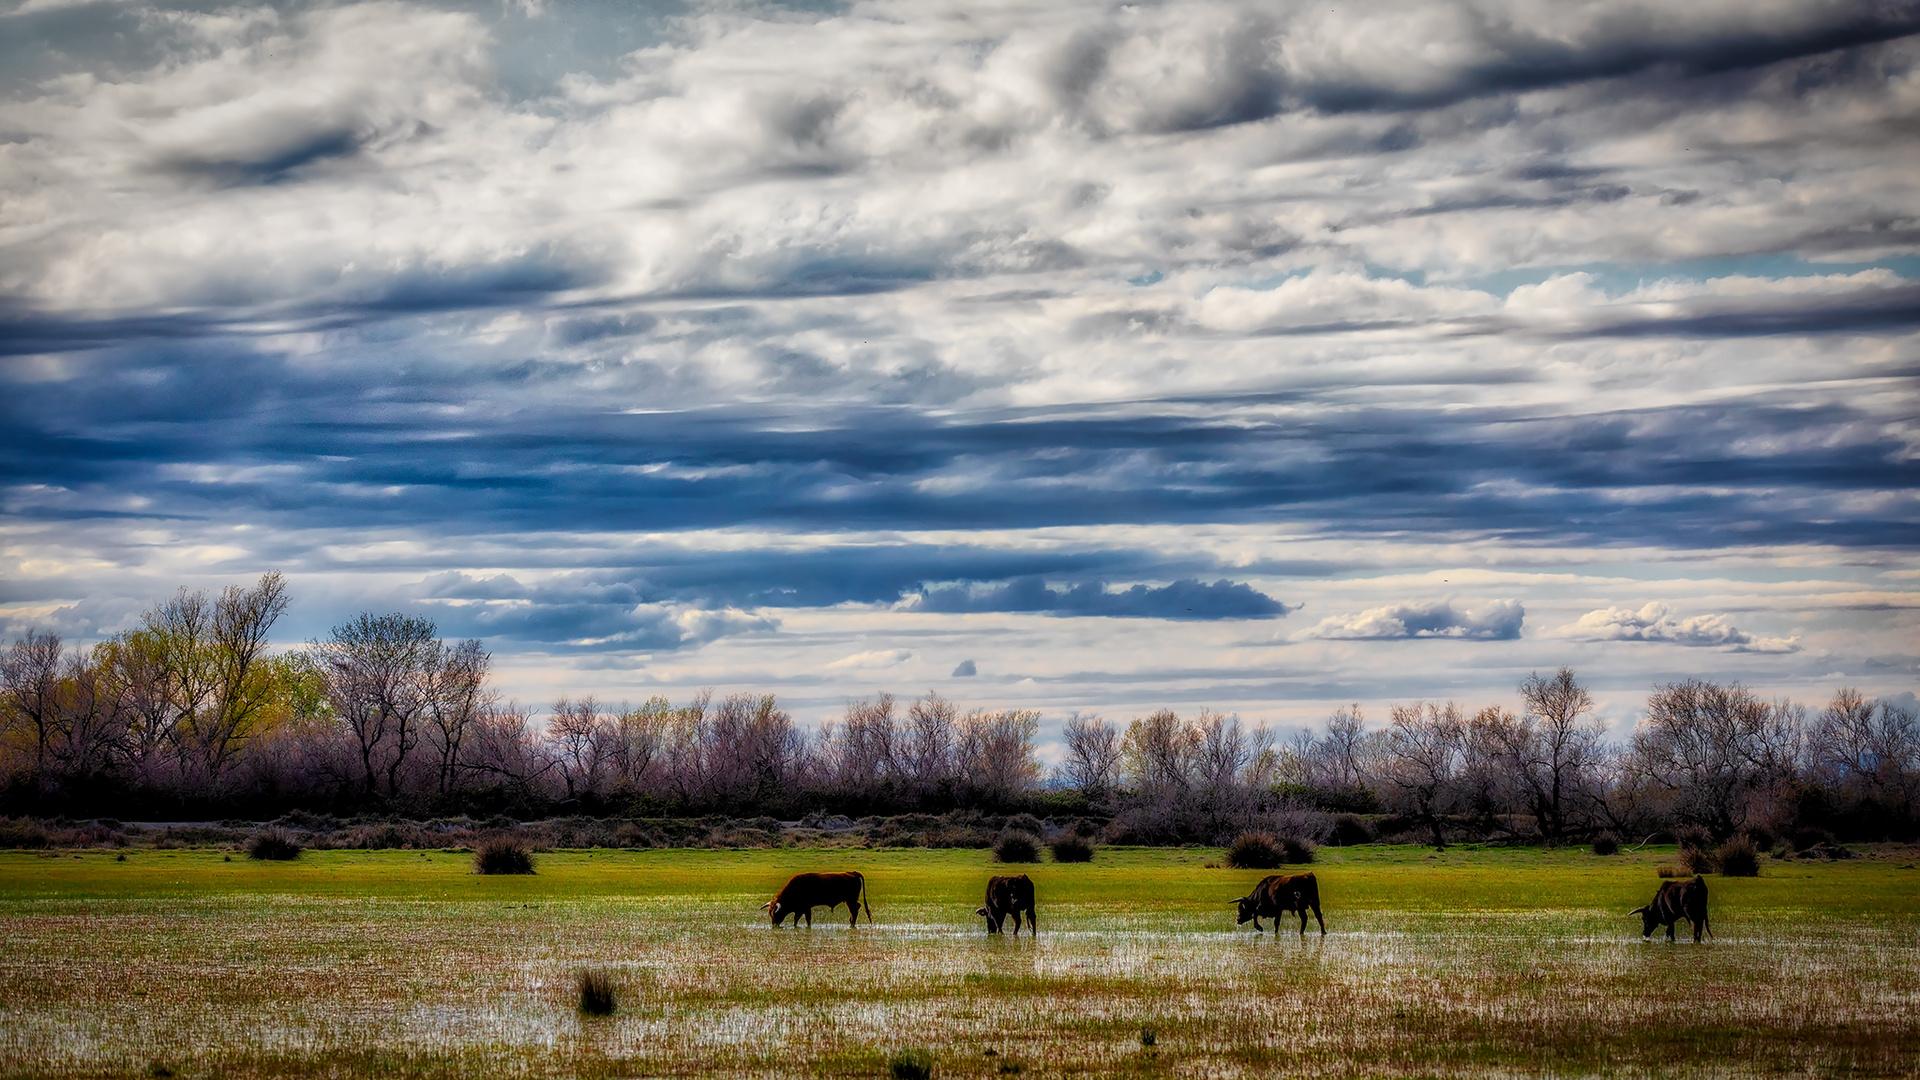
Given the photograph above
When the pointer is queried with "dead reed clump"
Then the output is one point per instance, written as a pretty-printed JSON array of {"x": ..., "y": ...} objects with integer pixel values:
[
  {"x": 1294, "y": 849},
  {"x": 1017, "y": 847},
  {"x": 1350, "y": 829},
  {"x": 1606, "y": 844},
  {"x": 24, "y": 833},
  {"x": 910, "y": 1065},
  {"x": 596, "y": 992},
  {"x": 274, "y": 844},
  {"x": 1669, "y": 870},
  {"x": 1071, "y": 847},
  {"x": 1255, "y": 851},
  {"x": 1737, "y": 858},
  {"x": 502, "y": 855}
]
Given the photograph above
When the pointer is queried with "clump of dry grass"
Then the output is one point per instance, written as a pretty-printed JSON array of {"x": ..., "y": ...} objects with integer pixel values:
[
  {"x": 1071, "y": 848},
  {"x": 596, "y": 992},
  {"x": 274, "y": 844},
  {"x": 910, "y": 1065},
  {"x": 1263, "y": 851},
  {"x": 502, "y": 855},
  {"x": 1606, "y": 844},
  {"x": 1669, "y": 870},
  {"x": 1737, "y": 858},
  {"x": 1017, "y": 847}
]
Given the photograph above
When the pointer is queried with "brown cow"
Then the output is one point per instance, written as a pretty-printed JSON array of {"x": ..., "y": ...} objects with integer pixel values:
[
  {"x": 1009, "y": 896},
  {"x": 1676, "y": 900},
  {"x": 1278, "y": 893},
  {"x": 804, "y": 892}
]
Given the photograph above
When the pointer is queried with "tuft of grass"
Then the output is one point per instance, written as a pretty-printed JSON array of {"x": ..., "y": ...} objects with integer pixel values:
[
  {"x": 1698, "y": 861},
  {"x": 910, "y": 1065},
  {"x": 502, "y": 855},
  {"x": 1263, "y": 851},
  {"x": 1668, "y": 870},
  {"x": 1148, "y": 1037},
  {"x": 159, "y": 1069},
  {"x": 1737, "y": 858},
  {"x": 1606, "y": 844},
  {"x": 275, "y": 845},
  {"x": 1071, "y": 847},
  {"x": 596, "y": 992},
  {"x": 1017, "y": 847}
]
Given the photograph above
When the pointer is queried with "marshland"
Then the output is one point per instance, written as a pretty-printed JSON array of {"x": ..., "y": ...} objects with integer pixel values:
[{"x": 199, "y": 961}]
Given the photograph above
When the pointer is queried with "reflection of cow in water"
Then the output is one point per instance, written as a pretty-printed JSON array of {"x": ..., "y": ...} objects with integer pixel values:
[
  {"x": 1009, "y": 896},
  {"x": 1676, "y": 900},
  {"x": 808, "y": 891},
  {"x": 1278, "y": 893}
]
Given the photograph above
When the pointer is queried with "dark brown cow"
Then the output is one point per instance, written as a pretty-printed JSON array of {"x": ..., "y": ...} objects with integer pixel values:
[
  {"x": 804, "y": 892},
  {"x": 1279, "y": 893},
  {"x": 1676, "y": 900},
  {"x": 1009, "y": 896}
]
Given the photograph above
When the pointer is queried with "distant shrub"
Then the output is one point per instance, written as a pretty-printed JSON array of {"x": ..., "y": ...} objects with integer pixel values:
[
  {"x": 1761, "y": 836},
  {"x": 22, "y": 834},
  {"x": 1606, "y": 844},
  {"x": 1026, "y": 823},
  {"x": 502, "y": 855},
  {"x": 1349, "y": 830},
  {"x": 275, "y": 844},
  {"x": 1807, "y": 837},
  {"x": 1738, "y": 858},
  {"x": 1255, "y": 851},
  {"x": 910, "y": 1065},
  {"x": 1071, "y": 847},
  {"x": 596, "y": 992},
  {"x": 1668, "y": 870},
  {"x": 1017, "y": 847},
  {"x": 1698, "y": 860},
  {"x": 1693, "y": 836},
  {"x": 1294, "y": 849}
]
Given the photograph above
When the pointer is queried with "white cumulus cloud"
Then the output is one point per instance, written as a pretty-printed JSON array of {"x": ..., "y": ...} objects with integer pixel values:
[
  {"x": 1655, "y": 622},
  {"x": 1491, "y": 620}
]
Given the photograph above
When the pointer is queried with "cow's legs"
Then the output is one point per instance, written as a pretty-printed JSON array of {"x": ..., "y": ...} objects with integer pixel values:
[
  {"x": 1670, "y": 929},
  {"x": 1257, "y": 928},
  {"x": 809, "y": 918},
  {"x": 1316, "y": 917},
  {"x": 853, "y": 909},
  {"x": 1696, "y": 929}
]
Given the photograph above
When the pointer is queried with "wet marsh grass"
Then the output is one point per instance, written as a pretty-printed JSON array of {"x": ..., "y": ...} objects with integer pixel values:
[{"x": 399, "y": 964}]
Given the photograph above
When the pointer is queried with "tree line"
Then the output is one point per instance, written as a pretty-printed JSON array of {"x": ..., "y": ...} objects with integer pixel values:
[{"x": 191, "y": 713}]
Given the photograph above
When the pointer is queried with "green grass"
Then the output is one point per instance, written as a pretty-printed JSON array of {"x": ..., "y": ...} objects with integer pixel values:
[{"x": 397, "y": 963}]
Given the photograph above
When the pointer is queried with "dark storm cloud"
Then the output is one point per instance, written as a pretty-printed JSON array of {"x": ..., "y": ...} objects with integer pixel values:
[{"x": 1184, "y": 599}]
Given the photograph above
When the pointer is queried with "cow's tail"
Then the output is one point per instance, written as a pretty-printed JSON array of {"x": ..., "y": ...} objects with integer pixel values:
[{"x": 863, "y": 894}]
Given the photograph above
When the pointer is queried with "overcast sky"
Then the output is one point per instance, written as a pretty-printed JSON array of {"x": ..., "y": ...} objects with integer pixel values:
[{"x": 1263, "y": 357}]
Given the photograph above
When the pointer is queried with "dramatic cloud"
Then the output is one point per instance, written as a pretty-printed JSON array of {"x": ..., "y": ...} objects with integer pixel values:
[
  {"x": 1186, "y": 599},
  {"x": 1492, "y": 620},
  {"x": 711, "y": 345},
  {"x": 1653, "y": 622}
]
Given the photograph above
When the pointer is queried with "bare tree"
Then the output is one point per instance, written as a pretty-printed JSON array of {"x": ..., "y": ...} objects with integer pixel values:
[
  {"x": 378, "y": 670},
  {"x": 1419, "y": 766},
  {"x": 994, "y": 754},
  {"x": 1867, "y": 753},
  {"x": 1712, "y": 749},
  {"x": 859, "y": 754},
  {"x": 926, "y": 752},
  {"x": 582, "y": 739},
  {"x": 1556, "y": 748},
  {"x": 30, "y": 681},
  {"x": 456, "y": 697},
  {"x": 1092, "y": 762},
  {"x": 639, "y": 740}
]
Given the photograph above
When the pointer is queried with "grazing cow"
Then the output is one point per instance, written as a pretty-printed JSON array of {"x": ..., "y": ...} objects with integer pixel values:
[
  {"x": 1676, "y": 900},
  {"x": 808, "y": 891},
  {"x": 1009, "y": 896},
  {"x": 1278, "y": 893}
]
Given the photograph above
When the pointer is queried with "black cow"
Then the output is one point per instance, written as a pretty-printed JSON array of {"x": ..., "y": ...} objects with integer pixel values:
[
  {"x": 808, "y": 891},
  {"x": 1676, "y": 900},
  {"x": 1009, "y": 896},
  {"x": 1278, "y": 893}
]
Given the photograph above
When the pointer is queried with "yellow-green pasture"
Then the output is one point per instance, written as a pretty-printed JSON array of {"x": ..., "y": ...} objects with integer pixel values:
[{"x": 401, "y": 963}]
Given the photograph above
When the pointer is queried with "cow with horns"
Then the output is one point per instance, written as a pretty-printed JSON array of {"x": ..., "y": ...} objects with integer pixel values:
[
  {"x": 1278, "y": 894},
  {"x": 1676, "y": 900},
  {"x": 804, "y": 892},
  {"x": 1009, "y": 896}
]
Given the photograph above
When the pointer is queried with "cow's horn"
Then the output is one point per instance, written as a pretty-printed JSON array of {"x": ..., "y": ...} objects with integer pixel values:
[
  {"x": 1637, "y": 911},
  {"x": 766, "y": 905}
]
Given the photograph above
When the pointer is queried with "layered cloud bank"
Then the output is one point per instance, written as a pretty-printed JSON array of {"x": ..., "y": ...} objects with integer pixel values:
[{"x": 1081, "y": 343}]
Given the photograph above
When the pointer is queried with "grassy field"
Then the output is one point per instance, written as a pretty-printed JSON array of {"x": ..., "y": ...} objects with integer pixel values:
[{"x": 1469, "y": 962}]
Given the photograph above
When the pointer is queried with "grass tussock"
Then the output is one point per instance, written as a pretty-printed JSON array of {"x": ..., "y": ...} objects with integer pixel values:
[
  {"x": 1071, "y": 848},
  {"x": 1738, "y": 858},
  {"x": 274, "y": 845},
  {"x": 1669, "y": 870},
  {"x": 596, "y": 992},
  {"x": 502, "y": 855},
  {"x": 1264, "y": 851},
  {"x": 910, "y": 1065},
  {"x": 1606, "y": 844},
  {"x": 1017, "y": 847}
]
